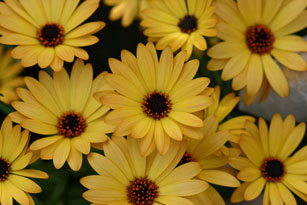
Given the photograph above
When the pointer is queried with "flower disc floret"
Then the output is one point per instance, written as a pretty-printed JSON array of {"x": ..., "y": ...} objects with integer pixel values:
[
  {"x": 260, "y": 39},
  {"x": 51, "y": 35},
  {"x": 142, "y": 191},
  {"x": 5, "y": 168},
  {"x": 272, "y": 169}
]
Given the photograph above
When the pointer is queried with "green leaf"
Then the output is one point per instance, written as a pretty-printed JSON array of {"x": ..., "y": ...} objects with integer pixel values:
[{"x": 5, "y": 108}]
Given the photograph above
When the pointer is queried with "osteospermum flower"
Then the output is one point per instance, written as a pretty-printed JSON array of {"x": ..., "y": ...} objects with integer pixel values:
[
  {"x": 203, "y": 151},
  {"x": 63, "y": 107},
  {"x": 154, "y": 99},
  {"x": 128, "y": 10},
  {"x": 220, "y": 109},
  {"x": 48, "y": 32},
  {"x": 179, "y": 24},
  {"x": 257, "y": 36},
  {"x": 125, "y": 177},
  {"x": 268, "y": 165},
  {"x": 9, "y": 79},
  {"x": 13, "y": 159}
]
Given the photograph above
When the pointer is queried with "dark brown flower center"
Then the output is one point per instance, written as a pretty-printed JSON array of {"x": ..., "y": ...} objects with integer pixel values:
[
  {"x": 51, "y": 35},
  {"x": 259, "y": 39},
  {"x": 5, "y": 167},
  {"x": 142, "y": 191},
  {"x": 157, "y": 105},
  {"x": 187, "y": 157},
  {"x": 188, "y": 24},
  {"x": 272, "y": 169},
  {"x": 71, "y": 124}
]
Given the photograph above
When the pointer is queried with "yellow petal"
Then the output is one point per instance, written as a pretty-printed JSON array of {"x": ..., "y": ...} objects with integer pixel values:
[
  {"x": 292, "y": 141},
  {"x": 172, "y": 129},
  {"x": 44, "y": 142},
  {"x": 103, "y": 165},
  {"x": 173, "y": 200},
  {"x": 291, "y": 43},
  {"x": 285, "y": 194},
  {"x": 65, "y": 53},
  {"x": 186, "y": 119},
  {"x": 46, "y": 57},
  {"x": 226, "y": 49},
  {"x": 25, "y": 184},
  {"x": 275, "y": 76},
  {"x": 86, "y": 29},
  {"x": 290, "y": 59},
  {"x": 16, "y": 193},
  {"x": 180, "y": 188},
  {"x": 39, "y": 127},
  {"x": 219, "y": 177},
  {"x": 236, "y": 65},
  {"x": 254, "y": 75},
  {"x": 61, "y": 153},
  {"x": 254, "y": 189},
  {"x": 249, "y": 174},
  {"x": 288, "y": 13},
  {"x": 82, "y": 12}
]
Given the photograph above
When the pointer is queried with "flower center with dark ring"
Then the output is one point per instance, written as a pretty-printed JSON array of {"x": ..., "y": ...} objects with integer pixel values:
[
  {"x": 5, "y": 168},
  {"x": 156, "y": 105},
  {"x": 188, "y": 24},
  {"x": 272, "y": 169},
  {"x": 71, "y": 124},
  {"x": 142, "y": 191},
  {"x": 259, "y": 39},
  {"x": 51, "y": 35}
]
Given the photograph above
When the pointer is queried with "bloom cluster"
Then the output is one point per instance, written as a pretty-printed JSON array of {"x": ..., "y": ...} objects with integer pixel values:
[{"x": 157, "y": 127}]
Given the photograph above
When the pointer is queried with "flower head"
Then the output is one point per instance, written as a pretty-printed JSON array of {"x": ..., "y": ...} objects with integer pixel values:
[
  {"x": 206, "y": 151},
  {"x": 9, "y": 79},
  {"x": 179, "y": 24},
  {"x": 128, "y": 10},
  {"x": 13, "y": 159},
  {"x": 154, "y": 100},
  {"x": 267, "y": 163},
  {"x": 257, "y": 36},
  {"x": 48, "y": 32},
  {"x": 64, "y": 107},
  {"x": 217, "y": 115},
  {"x": 127, "y": 177}
]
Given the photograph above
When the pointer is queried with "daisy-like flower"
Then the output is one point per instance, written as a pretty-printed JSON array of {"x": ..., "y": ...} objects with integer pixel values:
[
  {"x": 13, "y": 159},
  {"x": 179, "y": 24},
  {"x": 257, "y": 36},
  {"x": 63, "y": 107},
  {"x": 155, "y": 99},
  {"x": 125, "y": 177},
  {"x": 267, "y": 163},
  {"x": 203, "y": 151},
  {"x": 128, "y": 10},
  {"x": 216, "y": 113},
  {"x": 48, "y": 32},
  {"x": 9, "y": 79}
]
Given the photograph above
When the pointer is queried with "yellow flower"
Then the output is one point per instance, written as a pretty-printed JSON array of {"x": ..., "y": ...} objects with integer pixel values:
[
  {"x": 9, "y": 79},
  {"x": 179, "y": 24},
  {"x": 48, "y": 32},
  {"x": 267, "y": 163},
  {"x": 203, "y": 151},
  {"x": 155, "y": 99},
  {"x": 256, "y": 34},
  {"x": 216, "y": 113},
  {"x": 63, "y": 107},
  {"x": 127, "y": 177},
  {"x": 13, "y": 159},
  {"x": 127, "y": 9}
]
